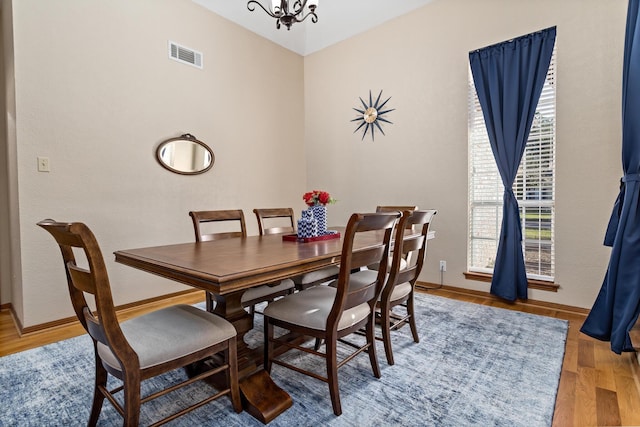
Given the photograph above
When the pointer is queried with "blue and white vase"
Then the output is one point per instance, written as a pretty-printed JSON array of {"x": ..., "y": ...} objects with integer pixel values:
[
  {"x": 320, "y": 214},
  {"x": 307, "y": 225}
]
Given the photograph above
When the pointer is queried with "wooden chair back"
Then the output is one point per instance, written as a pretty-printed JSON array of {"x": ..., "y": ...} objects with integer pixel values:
[
  {"x": 386, "y": 208},
  {"x": 266, "y": 215},
  {"x": 202, "y": 217},
  {"x": 396, "y": 209},
  {"x": 406, "y": 244},
  {"x": 102, "y": 327},
  {"x": 348, "y": 296}
]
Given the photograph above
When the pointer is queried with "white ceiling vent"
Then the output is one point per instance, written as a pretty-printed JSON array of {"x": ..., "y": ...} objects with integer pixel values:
[{"x": 185, "y": 55}]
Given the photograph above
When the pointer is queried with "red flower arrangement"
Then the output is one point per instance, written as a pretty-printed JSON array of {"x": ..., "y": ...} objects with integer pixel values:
[{"x": 318, "y": 198}]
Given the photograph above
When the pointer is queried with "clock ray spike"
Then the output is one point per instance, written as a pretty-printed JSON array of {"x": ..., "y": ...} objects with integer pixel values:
[
  {"x": 359, "y": 111},
  {"x": 377, "y": 100},
  {"x": 361, "y": 124},
  {"x": 383, "y": 104},
  {"x": 382, "y": 119},
  {"x": 385, "y": 111},
  {"x": 364, "y": 104},
  {"x": 365, "y": 131},
  {"x": 379, "y": 127}
]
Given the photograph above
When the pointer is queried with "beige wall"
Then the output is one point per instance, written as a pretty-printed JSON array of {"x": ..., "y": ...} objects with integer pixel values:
[
  {"x": 421, "y": 60},
  {"x": 9, "y": 221},
  {"x": 96, "y": 93}
]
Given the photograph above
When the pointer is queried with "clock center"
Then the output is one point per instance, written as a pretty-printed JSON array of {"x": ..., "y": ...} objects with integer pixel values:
[{"x": 370, "y": 115}]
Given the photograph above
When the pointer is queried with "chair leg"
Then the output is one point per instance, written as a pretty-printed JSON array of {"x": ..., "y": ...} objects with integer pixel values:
[
  {"x": 131, "y": 400},
  {"x": 268, "y": 344},
  {"x": 332, "y": 373},
  {"x": 98, "y": 397},
  {"x": 210, "y": 301},
  {"x": 231, "y": 354},
  {"x": 371, "y": 340},
  {"x": 385, "y": 325},
  {"x": 412, "y": 319}
]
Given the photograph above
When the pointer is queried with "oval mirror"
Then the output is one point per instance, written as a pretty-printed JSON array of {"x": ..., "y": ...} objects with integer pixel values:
[{"x": 185, "y": 155}]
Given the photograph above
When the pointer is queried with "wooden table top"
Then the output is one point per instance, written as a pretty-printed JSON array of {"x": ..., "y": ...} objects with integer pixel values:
[{"x": 226, "y": 265}]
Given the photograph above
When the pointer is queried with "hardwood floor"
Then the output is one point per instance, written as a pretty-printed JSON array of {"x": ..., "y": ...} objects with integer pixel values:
[{"x": 597, "y": 387}]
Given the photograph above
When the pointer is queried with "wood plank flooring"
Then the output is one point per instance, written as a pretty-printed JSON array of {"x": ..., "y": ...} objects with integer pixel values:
[{"x": 597, "y": 387}]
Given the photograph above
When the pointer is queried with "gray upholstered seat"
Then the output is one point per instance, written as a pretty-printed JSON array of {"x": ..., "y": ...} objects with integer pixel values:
[
  {"x": 265, "y": 291},
  {"x": 376, "y": 266},
  {"x": 169, "y": 334},
  {"x": 367, "y": 276},
  {"x": 315, "y": 303},
  {"x": 316, "y": 277}
]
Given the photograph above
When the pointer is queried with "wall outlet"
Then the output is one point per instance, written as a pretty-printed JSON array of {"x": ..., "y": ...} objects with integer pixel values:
[{"x": 443, "y": 265}]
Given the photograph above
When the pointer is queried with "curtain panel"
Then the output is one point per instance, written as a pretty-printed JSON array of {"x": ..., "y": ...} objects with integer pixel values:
[
  {"x": 509, "y": 77},
  {"x": 615, "y": 310}
]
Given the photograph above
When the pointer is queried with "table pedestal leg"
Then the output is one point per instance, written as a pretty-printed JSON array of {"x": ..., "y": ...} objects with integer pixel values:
[{"x": 261, "y": 397}]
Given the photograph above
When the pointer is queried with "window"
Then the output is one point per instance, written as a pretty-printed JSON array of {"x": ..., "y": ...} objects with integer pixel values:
[{"x": 534, "y": 188}]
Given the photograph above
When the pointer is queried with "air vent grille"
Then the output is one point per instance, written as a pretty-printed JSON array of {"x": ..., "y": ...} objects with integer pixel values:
[{"x": 185, "y": 55}]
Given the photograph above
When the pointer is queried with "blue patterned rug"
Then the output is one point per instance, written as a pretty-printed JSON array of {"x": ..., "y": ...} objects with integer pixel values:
[{"x": 474, "y": 365}]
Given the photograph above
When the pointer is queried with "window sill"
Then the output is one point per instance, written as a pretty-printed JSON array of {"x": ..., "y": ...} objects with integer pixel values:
[{"x": 532, "y": 284}]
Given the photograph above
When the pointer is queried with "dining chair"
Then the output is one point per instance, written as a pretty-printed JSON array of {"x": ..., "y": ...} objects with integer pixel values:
[
  {"x": 251, "y": 296},
  {"x": 281, "y": 220},
  {"x": 332, "y": 313},
  {"x": 399, "y": 288},
  {"x": 390, "y": 208},
  {"x": 145, "y": 346},
  {"x": 398, "y": 208}
]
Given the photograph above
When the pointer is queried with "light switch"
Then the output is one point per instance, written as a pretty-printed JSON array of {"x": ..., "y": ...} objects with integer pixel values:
[{"x": 43, "y": 164}]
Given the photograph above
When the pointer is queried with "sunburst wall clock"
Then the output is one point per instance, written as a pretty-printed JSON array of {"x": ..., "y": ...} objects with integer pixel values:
[{"x": 371, "y": 115}]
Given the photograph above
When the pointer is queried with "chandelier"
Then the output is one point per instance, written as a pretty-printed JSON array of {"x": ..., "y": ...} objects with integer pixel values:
[{"x": 288, "y": 15}]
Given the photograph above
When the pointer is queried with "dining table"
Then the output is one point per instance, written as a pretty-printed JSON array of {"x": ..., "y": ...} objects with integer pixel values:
[{"x": 227, "y": 268}]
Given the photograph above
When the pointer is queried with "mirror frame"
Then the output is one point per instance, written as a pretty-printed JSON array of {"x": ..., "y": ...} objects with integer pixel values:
[{"x": 190, "y": 138}]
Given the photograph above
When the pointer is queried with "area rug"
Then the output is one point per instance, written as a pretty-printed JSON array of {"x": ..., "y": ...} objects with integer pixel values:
[{"x": 474, "y": 365}]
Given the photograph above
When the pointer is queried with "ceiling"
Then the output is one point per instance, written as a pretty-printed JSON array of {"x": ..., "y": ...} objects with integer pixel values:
[{"x": 337, "y": 20}]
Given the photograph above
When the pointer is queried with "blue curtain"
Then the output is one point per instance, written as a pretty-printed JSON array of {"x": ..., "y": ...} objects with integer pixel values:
[
  {"x": 509, "y": 78},
  {"x": 616, "y": 308}
]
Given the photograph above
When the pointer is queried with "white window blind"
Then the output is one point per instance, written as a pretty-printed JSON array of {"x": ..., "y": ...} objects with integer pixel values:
[{"x": 534, "y": 188}]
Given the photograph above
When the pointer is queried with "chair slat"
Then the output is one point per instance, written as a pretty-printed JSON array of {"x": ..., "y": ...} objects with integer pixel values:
[{"x": 81, "y": 279}]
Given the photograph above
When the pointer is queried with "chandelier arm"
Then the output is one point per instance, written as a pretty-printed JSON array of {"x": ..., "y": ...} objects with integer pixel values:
[
  {"x": 314, "y": 17},
  {"x": 298, "y": 6},
  {"x": 254, "y": 2}
]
